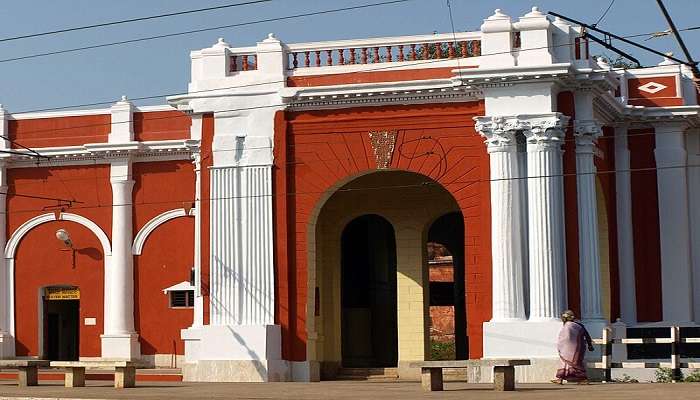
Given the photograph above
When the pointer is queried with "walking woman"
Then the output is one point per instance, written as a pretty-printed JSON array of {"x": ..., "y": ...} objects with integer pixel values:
[{"x": 572, "y": 342}]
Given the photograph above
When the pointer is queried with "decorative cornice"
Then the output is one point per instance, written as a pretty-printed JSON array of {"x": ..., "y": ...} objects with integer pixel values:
[{"x": 104, "y": 152}]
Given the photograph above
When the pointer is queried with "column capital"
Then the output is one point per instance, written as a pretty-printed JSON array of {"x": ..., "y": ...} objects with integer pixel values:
[
  {"x": 545, "y": 129},
  {"x": 499, "y": 131},
  {"x": 586, "y": 133}
]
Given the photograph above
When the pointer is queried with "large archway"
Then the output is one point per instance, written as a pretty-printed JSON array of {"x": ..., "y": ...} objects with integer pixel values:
[{"x": 363, "y": 221}]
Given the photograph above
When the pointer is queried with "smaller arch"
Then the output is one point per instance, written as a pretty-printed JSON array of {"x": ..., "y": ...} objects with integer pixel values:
[
  {"x": 150, "y": 226},
  {"x": 11, "y": 246},
  {"x": 101, "y": 235},
  {"x": 19, "y": 233}
]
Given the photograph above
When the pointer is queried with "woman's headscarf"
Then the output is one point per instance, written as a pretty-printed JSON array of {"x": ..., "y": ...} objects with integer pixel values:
[{"x": 568, "y": 315}]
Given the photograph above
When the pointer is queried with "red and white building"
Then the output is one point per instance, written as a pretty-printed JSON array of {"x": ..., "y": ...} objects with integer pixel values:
[{"x": 272, "y": 223}]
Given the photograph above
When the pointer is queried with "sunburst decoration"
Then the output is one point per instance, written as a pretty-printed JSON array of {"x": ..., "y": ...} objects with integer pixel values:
[{"x": 383, "y": 143}]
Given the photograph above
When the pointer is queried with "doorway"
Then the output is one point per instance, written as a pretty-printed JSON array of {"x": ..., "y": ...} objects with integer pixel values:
[
  {"x": 368, "y": 294},
  {"x": 61, "y": 324}
]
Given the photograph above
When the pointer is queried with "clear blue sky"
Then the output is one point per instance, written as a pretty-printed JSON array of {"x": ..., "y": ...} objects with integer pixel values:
[{"x": 163, "y": 66}]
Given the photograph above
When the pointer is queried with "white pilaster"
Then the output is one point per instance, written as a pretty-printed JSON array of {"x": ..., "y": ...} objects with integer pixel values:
[
  {"x": 586, "y": 134},
  {"x": 625, "y": 237},
  {"x": 122, "y": 128},
  {"x": 506, "y": 251},
  {"x": 674, "y": 227},
  {"x": 7, "y": 343},
  {"x": 242, "y": 281},
  {"x": 693, "y": 146},
  {"x": 198, "y": 317},
  {"x": 547, "y": 262}
]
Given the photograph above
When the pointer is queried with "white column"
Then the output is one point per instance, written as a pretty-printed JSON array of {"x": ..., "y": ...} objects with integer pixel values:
[
  {"x": 198, "y": 317},
  {"x": 586, "y": 134},
  {"x": 625, "y": 238},
  {"x": 120, "y": 339},
  {"x": 7, "y": 343},
  {"x": 547, "y": 262},
  {"x": 506, "y": 251},
  {"x": 674, "y": 227}
]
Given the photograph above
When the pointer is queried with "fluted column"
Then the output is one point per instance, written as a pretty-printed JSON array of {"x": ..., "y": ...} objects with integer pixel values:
[
  {"x": 547, "y": 263},
  {"x": 674, "y": 226},
  {"x": 586, "y": 134},
  {"x": 120, "y": 339},
  {"x": 625, "y": 239},
  {"x": 506, "y": 250}
]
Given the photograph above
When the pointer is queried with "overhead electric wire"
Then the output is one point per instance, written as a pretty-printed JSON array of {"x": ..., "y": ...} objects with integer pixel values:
[
  {"x": 130, "y": 20},
  {"x": 351, "y": 189},
  {"x": 189, "y": 32},
  {"x": 415, "y": 62},
  {"x": 604, "y": 13}
]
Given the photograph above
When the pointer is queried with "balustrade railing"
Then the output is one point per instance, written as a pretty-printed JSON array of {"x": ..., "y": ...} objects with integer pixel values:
[
  {"x": 437, "y": 47},
  {"x": 385, "y": 50},
  {"x": 243, "y": 61}
]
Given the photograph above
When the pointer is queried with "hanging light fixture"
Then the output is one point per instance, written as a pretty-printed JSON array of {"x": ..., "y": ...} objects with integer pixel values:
[{"x": 64, "y": 236}]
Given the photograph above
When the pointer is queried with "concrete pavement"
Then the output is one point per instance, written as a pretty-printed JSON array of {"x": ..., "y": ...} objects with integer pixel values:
[{"x": 341, "y": 390}]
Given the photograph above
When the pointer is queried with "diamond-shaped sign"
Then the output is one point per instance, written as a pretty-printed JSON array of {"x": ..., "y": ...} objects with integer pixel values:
[{"x": 652, "y": 87}]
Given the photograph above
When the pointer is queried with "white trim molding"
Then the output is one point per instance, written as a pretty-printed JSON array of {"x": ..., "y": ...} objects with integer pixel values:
[
  {"x": 150, "y": 226},
  {"x": 19, "y": 233}
]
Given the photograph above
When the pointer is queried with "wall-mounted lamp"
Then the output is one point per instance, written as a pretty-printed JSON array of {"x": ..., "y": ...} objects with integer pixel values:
[{"x": 64, "y": 236}]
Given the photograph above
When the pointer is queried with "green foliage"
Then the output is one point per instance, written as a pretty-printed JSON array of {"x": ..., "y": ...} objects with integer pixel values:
[
  {"x": 442, "y": 350},
  {"x": 618, "y": 62},
  {"x": 693, "y": 376},
  {"x": 665, "y": 375}
]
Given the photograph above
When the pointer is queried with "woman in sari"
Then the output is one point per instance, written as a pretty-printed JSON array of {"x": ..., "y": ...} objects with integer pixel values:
[{"x": 572, "y": 342}]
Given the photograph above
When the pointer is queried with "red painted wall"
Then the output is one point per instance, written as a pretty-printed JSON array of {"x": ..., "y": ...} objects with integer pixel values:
[
  {"x": 39, "y": 260},
  {"x": 161, "y": 125},
  {"x": 63, "y": 131},
  {"x": 206, "y": 163},
  {"x": 315, "y": 150},
  {"x": 167, "y": 256},
  {"x": 606, "y": 176},
  {"x": 645, "y": 225},
  {"x": 565, "y": 104}
]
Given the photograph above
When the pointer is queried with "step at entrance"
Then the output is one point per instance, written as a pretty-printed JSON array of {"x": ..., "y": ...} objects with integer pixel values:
[{"x": 368, "y": 374}]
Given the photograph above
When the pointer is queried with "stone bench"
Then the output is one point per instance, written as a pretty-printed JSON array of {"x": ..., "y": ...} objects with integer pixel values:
[
  {"x": 124, "y": 371},
  {"x": 28, "y": 370},
  {"x": 503, "y": 371}
]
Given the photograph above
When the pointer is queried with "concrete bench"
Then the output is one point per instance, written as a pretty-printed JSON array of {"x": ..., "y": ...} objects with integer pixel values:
[
  {"x": 28, "y": 370},
  {"x": 124, "y": 371},
  {"x": 503, "y": 371}
]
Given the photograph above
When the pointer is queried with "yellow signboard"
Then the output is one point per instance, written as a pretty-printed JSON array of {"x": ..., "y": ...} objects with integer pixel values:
[{"x": 62, "y": 293}]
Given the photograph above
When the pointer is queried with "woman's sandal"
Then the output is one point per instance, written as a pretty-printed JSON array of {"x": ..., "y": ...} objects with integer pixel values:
[{"x": 557, "y": 381}]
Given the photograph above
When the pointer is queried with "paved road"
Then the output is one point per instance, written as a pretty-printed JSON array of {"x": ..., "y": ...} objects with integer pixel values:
[{"x": 348, "y": 390}]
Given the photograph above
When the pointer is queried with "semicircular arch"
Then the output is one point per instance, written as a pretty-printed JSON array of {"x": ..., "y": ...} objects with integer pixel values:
[{"x": 23, "y": 230}]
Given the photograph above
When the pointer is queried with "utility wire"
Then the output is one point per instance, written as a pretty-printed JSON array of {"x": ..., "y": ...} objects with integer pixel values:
[
  {"x": 604, "y": 13},
  {"x": 429, "y": 182},
  {"x": 324, "y": 76},
  {"x": 127, "y": 21},
  {"x": 167, "y": 35}
]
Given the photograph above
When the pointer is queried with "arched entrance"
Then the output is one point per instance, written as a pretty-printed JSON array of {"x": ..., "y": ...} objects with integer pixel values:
[
  {"x": 368, "y": 293},
  {"x": 448, "y": 312},
  {"x": 368, "y": 265}
]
